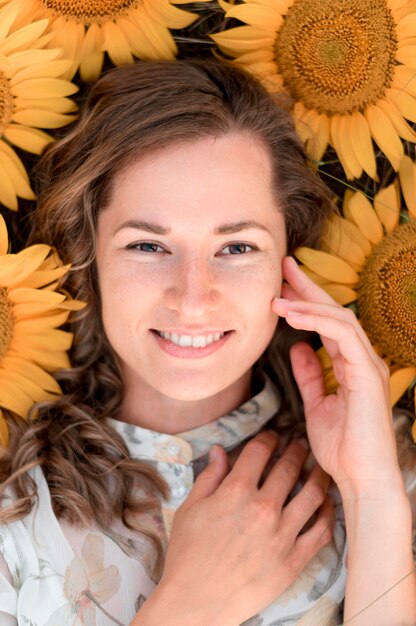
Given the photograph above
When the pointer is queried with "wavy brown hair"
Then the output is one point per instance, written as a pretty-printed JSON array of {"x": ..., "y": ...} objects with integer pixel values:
[{"x": 128, "y": 113}]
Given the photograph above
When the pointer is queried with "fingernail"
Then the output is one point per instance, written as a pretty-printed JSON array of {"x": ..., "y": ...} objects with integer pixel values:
[
  {"x": 213, "y": 454},
  {"x": 281, "y": 300}
]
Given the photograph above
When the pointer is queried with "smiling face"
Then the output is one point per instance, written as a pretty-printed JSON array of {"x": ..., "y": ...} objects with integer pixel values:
[{"x": 187, "y": 277}]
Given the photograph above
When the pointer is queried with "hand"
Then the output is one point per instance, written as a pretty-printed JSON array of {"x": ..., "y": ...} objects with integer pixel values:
[
  {"x": 234, "y": 547},
  {"x": 351, "y": 432}
]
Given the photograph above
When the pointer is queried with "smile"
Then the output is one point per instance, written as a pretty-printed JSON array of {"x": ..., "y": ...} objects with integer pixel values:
[{"x": 185, "y": 346}]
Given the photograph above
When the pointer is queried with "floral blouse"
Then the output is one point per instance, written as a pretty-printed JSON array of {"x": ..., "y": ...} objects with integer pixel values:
[{"x": 52, "y": 574}]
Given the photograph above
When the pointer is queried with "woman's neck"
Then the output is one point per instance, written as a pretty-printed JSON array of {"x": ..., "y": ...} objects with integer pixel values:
[{"x": 145, "y": 406}]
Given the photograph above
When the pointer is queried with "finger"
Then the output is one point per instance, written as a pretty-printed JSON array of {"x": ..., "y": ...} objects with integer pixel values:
[
  {"x": 344, "y": 335},
  {"x": 284, "y": 474},
  {"x": 211, "y": 476},
  {"x": 308, "y": 544},
  {"x": 312, "y": 495},
  {"x": 303, "y": 285},
  {"x": 307, "y": 372},
  {"x": 336, "y": 311},
  {"x": 252, "y": 461}
]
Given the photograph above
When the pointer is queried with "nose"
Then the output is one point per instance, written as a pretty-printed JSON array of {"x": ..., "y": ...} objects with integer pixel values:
[{"x": 194, "y": 289}]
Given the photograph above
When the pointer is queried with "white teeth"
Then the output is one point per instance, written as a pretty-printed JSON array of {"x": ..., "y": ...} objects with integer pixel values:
[{"x": 199, "y": 341}]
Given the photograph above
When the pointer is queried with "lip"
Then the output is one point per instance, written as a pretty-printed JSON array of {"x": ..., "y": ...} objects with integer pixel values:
[{"x": 188, "y": 352}]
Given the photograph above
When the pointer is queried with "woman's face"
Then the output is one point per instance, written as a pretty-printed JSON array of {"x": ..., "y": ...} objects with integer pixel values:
[{"x": 180, "y": 274}]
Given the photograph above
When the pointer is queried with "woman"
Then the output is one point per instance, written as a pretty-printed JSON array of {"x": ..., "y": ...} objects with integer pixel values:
[{"x": 178, "y": 197}]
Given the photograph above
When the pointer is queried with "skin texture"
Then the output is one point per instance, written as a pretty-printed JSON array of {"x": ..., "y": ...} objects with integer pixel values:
[{"x": 191, "y": 279}]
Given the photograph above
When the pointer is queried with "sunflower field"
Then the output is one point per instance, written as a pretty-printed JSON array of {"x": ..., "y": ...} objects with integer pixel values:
[{"x": 346, "y": 68}]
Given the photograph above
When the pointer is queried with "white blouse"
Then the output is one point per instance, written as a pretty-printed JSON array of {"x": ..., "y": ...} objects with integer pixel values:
[{"x": 53, "y": 574}]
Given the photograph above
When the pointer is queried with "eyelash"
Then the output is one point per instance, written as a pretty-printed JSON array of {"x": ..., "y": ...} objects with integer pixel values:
[{"x": 135, "y": 246}]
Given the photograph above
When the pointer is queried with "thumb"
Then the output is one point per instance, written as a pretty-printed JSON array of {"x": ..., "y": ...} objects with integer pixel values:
[{"x": 212, "y": 475}]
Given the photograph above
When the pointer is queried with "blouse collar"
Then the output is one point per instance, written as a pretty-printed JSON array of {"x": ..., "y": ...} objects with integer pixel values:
[{"x": 192, "y": 445}]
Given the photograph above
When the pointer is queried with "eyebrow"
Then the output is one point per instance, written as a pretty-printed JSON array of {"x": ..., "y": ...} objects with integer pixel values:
[{"x": 223, "y": 229}]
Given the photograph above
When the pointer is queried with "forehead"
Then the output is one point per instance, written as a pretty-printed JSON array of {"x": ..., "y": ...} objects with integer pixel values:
[{"x": 203, "y": 179}]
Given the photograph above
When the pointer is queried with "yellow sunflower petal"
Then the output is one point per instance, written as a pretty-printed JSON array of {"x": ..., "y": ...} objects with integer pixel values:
[
  {"x": 8, "y": 15},
  {"x": 318, "y": 143},
  {"x": 43, "y": 119},
  {"x": 41, "y": 323},
  {"x": 404, "y": 102},
  {"x": 360, "y": 211},
  {"x": 30, "y": 139},
  {"x": 407, "y": 176},
  {"x": 258, "y": 16},
  {"x": 43, "y": 88},
  {"x": 338, "y": 242},
  {"x": 400, "y": 8},
  {"x": 163, "y": 12},
  {"x": 403, "y": 129},
  {"x": 23, "y": 38},
  {"x": 7, "y": 192},
  {"x": 50, "y": 360},
  {"x": 385, "y": 135},
  {"x": 91, "y": 66},
  {"x": 327, "y": 265},
  {"x": 348, "y": 160},
  {"x": 243, "y": 39},
  {"x": 42, "y": 278},
  {"x": 387, "y": 207},
  {"x": 116, "y": 44},
  {"x": 36, "y": 62},
  {"x": 406, "y": 27},
  {"x": 140, "y": 43},
  {"x": 407, "y": 55},
  {"x": 21, "y": 295},
  {"x": 37, "y": 71},
  {"x": 405, "y": 79},
  {"x": 161, "y": 39},
  {"x": 400, "y": 381},
  {"x": 361, "y": 143},
  {"x": 319, "y": 280},
  {"x": 19, "y": 181},
  {"x": 59, "y": 105},
  {"x": 9, "y": 269},
  {"x": 341, "y": 293},
  {"x": 34, "y": 391},
  {"x": 14, "y": 398},
  {"x": 4, "y": 431},
  {"x": 32, "y": 258},
  {"x": 54, "y": 340},
  {"x": 356, "y": 235},
  {"x": 4, "y": 237},
  {"x": 33, "y": 372}
]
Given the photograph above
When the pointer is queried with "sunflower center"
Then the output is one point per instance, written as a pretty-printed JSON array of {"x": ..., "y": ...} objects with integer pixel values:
[
  {"x": 6, "y": 103},
  {"x": 6, "y": 322},
  {"x": 337, "y": 56},
  {"x": 98, "y": 11},
  {"x": 387, "y": 295}
]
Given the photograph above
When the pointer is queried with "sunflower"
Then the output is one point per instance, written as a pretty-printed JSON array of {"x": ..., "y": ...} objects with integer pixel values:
[
  {"x": 348, "y": 66},
  {"x": 122, "y": 28},
  {"x": 31, "y": 345},
  {"x": 31, "y": 97},
  {"x": 367, "y": 259}
]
